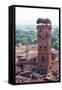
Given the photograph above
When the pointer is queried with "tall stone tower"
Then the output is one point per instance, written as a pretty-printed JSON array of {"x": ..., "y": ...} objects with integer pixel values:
[{"x": 44, "y": 45}]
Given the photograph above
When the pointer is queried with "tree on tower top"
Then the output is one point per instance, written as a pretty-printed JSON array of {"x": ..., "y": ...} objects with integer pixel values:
[{"x": 44, "y": 21}]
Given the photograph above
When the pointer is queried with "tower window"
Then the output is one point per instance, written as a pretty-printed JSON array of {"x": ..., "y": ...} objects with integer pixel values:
[
  {"x": 42, "y": 58},
  {"x": 40, "y": 46},
  {"x": 40, "y": 36},
  {"x": 40, "y": 30},
  {"x": 34, "y": 59},
  {"x": 45, "y": 47}
]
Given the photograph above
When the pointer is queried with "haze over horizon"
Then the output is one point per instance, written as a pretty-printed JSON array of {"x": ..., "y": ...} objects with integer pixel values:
[{"x": 28, "y": 16}]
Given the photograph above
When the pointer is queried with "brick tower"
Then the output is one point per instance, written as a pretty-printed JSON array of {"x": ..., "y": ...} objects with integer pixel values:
[{"x": 44, "y": 45}]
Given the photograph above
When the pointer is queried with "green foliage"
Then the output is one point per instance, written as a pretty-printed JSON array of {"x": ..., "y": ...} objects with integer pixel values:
[
  {"x": 41, "y": 20},
  {"x": 26, "y": 37},
  {"x": 30, "y": 37},
  {"x": 20, "y": 37},
  {"x": 55, "y": 38}
]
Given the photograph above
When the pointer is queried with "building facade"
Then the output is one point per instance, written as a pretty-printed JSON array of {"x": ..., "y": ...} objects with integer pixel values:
[
  {"x": 39, "y": 58},
  {"x": 44, "y": 45}
]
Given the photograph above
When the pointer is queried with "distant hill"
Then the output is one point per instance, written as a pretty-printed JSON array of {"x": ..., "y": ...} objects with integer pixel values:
[
  {"x": 26, "y": 27},
  {"x": 26, "y": 34}
]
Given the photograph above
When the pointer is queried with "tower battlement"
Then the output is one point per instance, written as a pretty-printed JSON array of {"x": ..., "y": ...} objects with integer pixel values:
[{"x": 44, "y": 23}]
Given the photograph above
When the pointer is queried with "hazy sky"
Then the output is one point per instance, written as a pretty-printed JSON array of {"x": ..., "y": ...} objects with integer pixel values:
[{"x": 30, "y": 15}]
